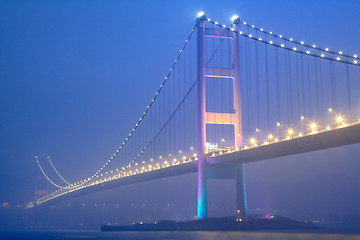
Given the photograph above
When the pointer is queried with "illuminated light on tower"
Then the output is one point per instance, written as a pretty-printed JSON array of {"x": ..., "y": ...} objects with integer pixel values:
[
  {"x": 200, "y": 14},
  {"x": 235, "y": 17}
]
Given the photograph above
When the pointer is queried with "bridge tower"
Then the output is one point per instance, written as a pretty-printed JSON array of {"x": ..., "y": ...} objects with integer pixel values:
[
  {"x": 205, "y": 171},
  {"x": 41, "y": 188}
]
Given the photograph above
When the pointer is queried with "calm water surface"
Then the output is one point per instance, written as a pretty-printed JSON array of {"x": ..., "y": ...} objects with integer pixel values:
[{"x": 317, "y": 235}]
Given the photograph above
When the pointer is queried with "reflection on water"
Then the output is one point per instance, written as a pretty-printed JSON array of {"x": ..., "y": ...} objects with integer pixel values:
[{"x": 313, "y": 235}]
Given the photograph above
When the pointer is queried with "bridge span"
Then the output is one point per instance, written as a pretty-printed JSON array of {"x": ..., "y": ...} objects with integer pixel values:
[{"x": 301, "y": 144}]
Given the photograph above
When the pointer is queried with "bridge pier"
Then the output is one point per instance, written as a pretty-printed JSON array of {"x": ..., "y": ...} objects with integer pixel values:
[
  {"x": 241, "y": 208},
  {"x": 236, "y": 173}
]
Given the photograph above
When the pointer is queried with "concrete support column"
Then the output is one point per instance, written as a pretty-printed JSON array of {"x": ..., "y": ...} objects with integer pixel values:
[
  {"x": 236, "y": 81},
  {"x": 240, "y": 180},
  {"x": 201, "y": 124},
  {"x": 241, "y": 194}
]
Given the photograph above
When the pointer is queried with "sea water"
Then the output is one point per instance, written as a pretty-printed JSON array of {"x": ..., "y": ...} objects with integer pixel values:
[{"x": 188, "y": 235}]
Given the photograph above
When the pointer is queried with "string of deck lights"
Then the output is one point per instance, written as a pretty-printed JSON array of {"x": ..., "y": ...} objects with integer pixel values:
[
  {"x": 290, "y": 40},
  {"x": 119, "y": 175},
  {"x": 339, "y": 121},
  {"x": 313, "y": 126},
  {"x": 140, "y": 119},
  {"x": 167, "y": 164}
]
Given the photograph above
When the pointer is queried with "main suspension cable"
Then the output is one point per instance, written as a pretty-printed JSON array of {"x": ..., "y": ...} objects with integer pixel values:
[{"x": 52, "y": 165}]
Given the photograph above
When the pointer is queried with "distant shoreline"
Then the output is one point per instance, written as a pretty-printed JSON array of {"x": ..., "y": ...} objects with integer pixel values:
[{"x": 216, "y": 224}]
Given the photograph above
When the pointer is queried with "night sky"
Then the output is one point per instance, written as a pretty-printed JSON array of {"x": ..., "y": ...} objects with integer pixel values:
[{"x": 76, "y": 75}]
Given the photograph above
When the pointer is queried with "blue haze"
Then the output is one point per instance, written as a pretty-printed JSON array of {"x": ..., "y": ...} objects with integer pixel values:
[{"x": 70, "y": 69}]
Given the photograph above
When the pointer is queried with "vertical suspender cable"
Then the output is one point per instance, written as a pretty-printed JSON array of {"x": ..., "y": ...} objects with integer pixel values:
[
  {"x": 221, "y": 95},
  {"x": 214, "y": 87},
  {"x": 278, "y": 83},
  {"x": 303, "y": 84},
  {"x": 173, "y": 136},
  {"x": 157, "y": 110},
  {"x": 167, "y": 114},
  {"x": 290, "y": 89},
  {"x": 309, "y": 87},
  {"x": 348, "y": 91},
  {"x": 287, "y": 88},
  {"x": 321, "y": 91},
  {"x": 191, "y": 103},
  {"x": 333, "y": 85},
  {"x": 267, "y": 88},
  {"x": 248, "y": 84},
  {"x": 163, "y": 117},
  {"x": 257, "y": 83},
  {"x": 317, "y": 89},
  {"x": 230, "y": 66},
  {"x": 183, "y": 120},
  {"x": 180, "y": 125},
  {"x": 297, "y": 83}
]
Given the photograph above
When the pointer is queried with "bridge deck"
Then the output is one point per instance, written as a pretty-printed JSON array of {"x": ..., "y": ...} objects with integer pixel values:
[{"x": 324, "y": 140}]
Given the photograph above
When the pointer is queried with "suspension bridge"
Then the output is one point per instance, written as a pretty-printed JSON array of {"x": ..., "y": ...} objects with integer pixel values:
[{"x": 235, "y": 94}]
